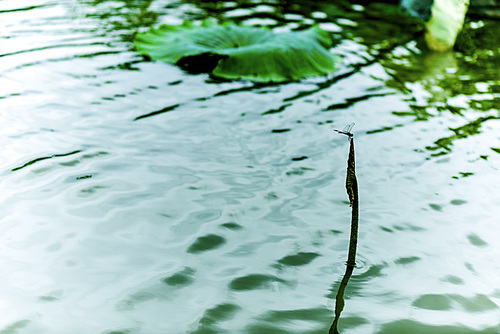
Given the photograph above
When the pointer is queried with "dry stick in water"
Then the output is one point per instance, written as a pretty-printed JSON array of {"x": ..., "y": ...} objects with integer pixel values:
[{"x": 351, "y": 184}]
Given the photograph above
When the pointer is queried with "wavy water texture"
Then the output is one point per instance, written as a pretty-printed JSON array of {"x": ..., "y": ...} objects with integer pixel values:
[{"x": 137, "y": 198}]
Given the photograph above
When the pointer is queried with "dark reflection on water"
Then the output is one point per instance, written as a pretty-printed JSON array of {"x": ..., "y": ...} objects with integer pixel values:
[
  {"x": 339, "y": 299},
  {"x": 137, "y": 198}
]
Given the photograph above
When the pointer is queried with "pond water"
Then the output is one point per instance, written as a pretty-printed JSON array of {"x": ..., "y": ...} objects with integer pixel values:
[{"x": 136, "y": 198}]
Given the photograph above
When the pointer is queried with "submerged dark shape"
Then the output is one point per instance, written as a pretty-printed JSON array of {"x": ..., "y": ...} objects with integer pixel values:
[
  {"x": 443, "y": 20},
  {"x": 231, "y": 51},
  {"x": 485, "y": 9},
  {"x": 420, "y": 9}
]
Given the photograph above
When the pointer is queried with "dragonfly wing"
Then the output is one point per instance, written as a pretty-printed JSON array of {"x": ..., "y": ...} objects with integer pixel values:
[{"x": 348, "y": 128}]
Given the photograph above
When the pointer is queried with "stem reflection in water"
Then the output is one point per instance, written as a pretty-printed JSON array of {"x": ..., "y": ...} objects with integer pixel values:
[{"x": 339, "y": 299}]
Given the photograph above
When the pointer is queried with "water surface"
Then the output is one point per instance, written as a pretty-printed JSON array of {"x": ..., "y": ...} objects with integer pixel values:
[{"x": 137, "y": 198}]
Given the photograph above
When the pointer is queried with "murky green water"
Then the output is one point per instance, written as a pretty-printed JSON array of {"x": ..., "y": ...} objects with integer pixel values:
[{"x": 136, "y": 198}]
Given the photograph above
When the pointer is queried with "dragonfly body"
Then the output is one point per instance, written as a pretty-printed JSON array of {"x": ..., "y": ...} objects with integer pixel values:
[{"x": 346, "y": 131}]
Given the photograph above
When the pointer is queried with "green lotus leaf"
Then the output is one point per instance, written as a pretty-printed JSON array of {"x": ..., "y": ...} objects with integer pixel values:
[{"x": 239, "y": 52}]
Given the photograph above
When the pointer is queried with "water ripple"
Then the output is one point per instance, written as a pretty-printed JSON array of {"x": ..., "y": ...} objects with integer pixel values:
[{"x": 147, "y": 200}]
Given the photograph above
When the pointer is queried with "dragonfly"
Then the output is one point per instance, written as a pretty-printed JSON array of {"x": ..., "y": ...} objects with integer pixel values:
[{"x": 346, "y": 131}]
